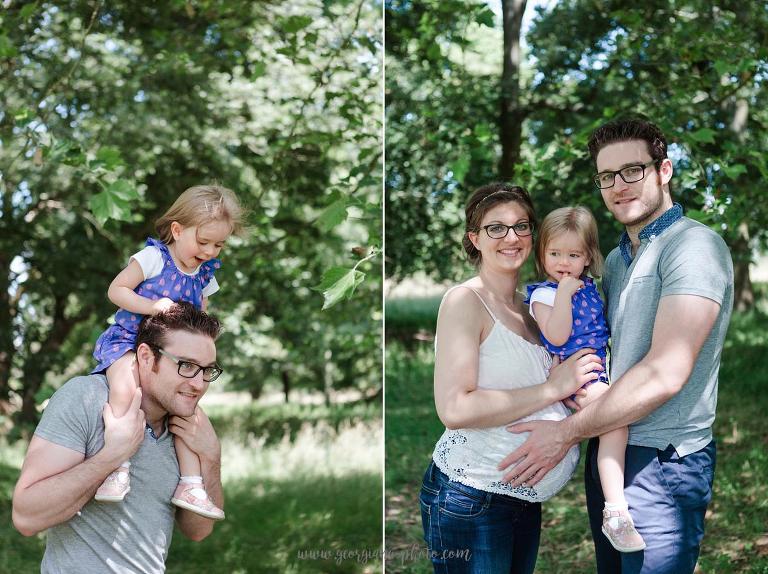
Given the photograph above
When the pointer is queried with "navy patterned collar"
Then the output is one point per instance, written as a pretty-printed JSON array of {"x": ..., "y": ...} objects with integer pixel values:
[
  {"x": 148, "y": 428},
  {"x": 650, "y": 231}
]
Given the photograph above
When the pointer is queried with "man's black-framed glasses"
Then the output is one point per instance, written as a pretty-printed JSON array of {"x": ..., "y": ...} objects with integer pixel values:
[
  {"x": 630, "y": 174},
  {"x": 500, "y": 231},
  {"x": 189, "y": 370}
]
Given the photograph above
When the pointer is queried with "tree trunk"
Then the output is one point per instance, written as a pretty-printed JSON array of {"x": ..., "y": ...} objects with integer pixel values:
[
  {"x": 743, "y": 293},
  {"x": 6, "y": 329},
  {"x": 511, "y": 116},
  {"x": 7, "y": 349},
  {"x": 286, "y": 385},
  {"x": 37, "y": 365}
]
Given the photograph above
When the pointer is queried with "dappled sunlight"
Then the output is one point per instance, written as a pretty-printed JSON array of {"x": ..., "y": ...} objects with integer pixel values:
[{"x": 317, "y": 450}]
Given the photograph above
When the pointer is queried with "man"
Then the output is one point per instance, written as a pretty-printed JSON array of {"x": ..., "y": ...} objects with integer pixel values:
[
  {"x": 669, "y": 291},
  {"x": 79, "y": 442}
]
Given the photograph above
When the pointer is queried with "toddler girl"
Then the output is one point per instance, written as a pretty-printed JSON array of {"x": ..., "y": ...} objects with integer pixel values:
[
  {"x": 569, "y": 312},
  {"x": 180, "y": 266}
]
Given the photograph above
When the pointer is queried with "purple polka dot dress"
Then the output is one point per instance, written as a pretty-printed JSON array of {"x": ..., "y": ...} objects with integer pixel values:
[
  {"x": 171, "y": 283},
  {"x": 589, "y": 328}
]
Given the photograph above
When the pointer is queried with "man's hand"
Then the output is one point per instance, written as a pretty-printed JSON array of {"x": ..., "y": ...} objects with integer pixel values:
[
  {"x": 198, "y": 433},
  {"x": 546, "y": 446},
  {"x": 123, "y": 435}
]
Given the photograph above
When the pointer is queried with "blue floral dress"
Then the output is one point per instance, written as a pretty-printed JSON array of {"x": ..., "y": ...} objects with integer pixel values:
[
  {"x": 589, "y": 327},
  {"x": 120, "y": 338}
]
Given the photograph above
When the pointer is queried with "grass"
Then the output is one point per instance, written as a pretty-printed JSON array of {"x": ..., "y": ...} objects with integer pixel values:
[
  {"x": 736, "y": 537},
  {"x": 303, "y": 494},
  {"x": 409, "y": 319}
]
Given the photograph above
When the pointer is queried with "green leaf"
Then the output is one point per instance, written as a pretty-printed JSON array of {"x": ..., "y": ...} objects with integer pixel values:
[
  {"x": 293, "y": 24},
  {"x": 115, "y": 202},
  {"x": 27, "y": 10},
  {"x": 722, "y": 67},
  {"x": 23, "y": 116},
  {"x": 7, "y": 49},
  {"x": 704, "y": 135},
  {"x": 483, "y": 132},
  {"x": 333, "y": 215},
  {"x": 339, "y": 283},
  {"x": 71, "y": 154},
  {"x": 433, "y": 52},
  {"x": 485, "y": 18},
  {"x": 258, "y": 70},
  {"x": 460, "y": 168},
  {"x": 123, "y": 189},
  {"x": 735, "y": 170},
  {"x": 108, "y": 157}
]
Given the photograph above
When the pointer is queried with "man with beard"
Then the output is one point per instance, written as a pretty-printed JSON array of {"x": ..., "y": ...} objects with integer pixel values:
[
  {"x": 79, "y": 442},
  {"x": 669, "y": 292}
]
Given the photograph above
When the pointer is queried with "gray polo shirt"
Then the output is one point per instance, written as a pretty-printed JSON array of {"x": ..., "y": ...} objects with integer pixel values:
[
  {"x": 687, "y": 258},
  {"x": 130, "y": 536}
]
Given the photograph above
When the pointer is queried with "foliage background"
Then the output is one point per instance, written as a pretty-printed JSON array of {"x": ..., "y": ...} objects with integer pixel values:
[
  {"x": 479, "y": 91},
  {"x": 580, "y": 63},
  {"x": 108, "y": 111}
]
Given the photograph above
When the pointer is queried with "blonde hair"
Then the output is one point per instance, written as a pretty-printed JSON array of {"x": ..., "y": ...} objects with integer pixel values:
[
  {"x": 578, "y": 220},
  {"x": 199, "y": 205}
]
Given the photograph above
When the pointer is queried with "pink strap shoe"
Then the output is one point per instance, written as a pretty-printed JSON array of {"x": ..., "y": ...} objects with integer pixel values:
[
  {"x": 115, "y": 486},
  {"x": 623, "y": 536},
  {"x": 194, "y": 498}
]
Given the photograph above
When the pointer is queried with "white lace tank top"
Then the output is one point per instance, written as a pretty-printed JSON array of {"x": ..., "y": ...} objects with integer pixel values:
[{"x": 470, "y": 456}]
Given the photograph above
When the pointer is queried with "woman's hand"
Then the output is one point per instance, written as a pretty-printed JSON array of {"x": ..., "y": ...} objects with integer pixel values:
[{"x": 579, "y": 369}]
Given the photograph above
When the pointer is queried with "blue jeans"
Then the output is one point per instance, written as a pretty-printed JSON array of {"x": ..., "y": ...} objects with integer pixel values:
[
  {"x": 667, "y": 496},
  {"x": 470, "y": 531}
]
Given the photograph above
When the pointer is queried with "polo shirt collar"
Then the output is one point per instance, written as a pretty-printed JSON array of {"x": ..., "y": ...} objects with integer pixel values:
[{"x": 650, "y": 231}]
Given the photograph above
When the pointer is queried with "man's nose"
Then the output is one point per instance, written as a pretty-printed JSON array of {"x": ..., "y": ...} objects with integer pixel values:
[
  {"x": 197, "y": 381},
  {"x": 619, "y": 183}
]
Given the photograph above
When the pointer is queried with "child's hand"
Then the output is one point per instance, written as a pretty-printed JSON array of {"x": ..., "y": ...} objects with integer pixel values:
[
  {"x": 162, "y": 305},
  {"x": 570, "y": 285}
]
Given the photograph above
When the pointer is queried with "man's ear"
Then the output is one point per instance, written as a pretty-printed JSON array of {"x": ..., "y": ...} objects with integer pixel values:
[
  {"x": 665, "y": 170},
  {"x": 145, "y": 357}
]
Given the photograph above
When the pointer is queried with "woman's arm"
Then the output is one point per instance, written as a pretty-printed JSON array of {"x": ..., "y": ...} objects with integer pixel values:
[
  {"x": 121, "y": 292},
  {"x": 460, "y": 404}
]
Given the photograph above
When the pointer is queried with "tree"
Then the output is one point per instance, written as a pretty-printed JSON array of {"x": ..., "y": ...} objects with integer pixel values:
[
  {"x": 665, "y": 60},
  {"x": 111, "y": 110},
  {"x": 587, "y": 63}
]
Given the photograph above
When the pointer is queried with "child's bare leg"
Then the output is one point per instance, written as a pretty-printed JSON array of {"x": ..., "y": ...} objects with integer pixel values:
[
  {"x": 610, "y": 463},
  {"x": 617, "y": 523},
  {"x": 123, "y": 379},
  {"x": 190, "y": 493},
  {"x": 189, "y": 462}
]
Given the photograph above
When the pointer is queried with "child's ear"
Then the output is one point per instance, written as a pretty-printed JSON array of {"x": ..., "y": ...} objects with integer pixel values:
[{"x": 176, "y": 230}]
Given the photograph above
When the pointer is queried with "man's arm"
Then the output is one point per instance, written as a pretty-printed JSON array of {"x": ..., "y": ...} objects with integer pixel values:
[
  {"x": 56, "y": 481},
  {"x": 198, "y": 433},
  {"x": 683, "y": 323}
]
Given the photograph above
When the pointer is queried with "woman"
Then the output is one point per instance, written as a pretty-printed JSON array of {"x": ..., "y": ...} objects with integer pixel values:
[{"x": 490, "y": 370}]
